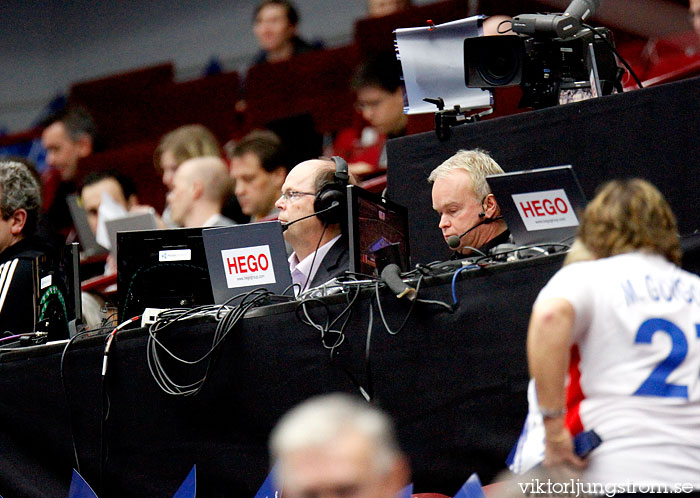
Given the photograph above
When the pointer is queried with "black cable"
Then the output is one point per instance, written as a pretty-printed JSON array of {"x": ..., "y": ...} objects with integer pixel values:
[
  {"x": 381, "y": 311},
  {"x": 521, "y": 248},
  {"x": 368, "y": 361},
  {"x": 506, "y": 21},
  {"x": 363, "y": 276},
  {"x": 614, "y": 51},
  {"x": 226, "y": 323},
  {"x": 67, "y": 396}
]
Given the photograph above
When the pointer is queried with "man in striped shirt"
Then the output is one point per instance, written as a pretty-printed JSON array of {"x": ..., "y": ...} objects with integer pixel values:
[{"x": 20, "y": 201}]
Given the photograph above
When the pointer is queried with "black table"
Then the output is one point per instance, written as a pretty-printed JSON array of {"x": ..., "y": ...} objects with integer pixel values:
[{"x": 454, "y": 382}]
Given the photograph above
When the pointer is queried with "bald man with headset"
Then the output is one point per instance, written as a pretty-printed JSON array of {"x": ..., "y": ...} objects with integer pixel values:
[{"x": 313, "y": 207}]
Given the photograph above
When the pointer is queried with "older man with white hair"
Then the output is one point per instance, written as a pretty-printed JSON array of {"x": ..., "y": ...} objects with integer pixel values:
[
  {"x": 200, "y": 187},
  {"x": 470, "y": 218},
  {"x": 337, "y": 445}
]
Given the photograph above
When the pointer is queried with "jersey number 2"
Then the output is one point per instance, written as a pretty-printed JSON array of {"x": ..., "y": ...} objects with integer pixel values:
[{"x": 655, "y": 384}]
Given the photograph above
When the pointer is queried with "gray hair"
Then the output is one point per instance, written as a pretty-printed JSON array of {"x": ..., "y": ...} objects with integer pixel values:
[
  {"x": 321, "y": 420},
  {"x": 478, "y": 163},
  {"x": 19, "y": 190}
]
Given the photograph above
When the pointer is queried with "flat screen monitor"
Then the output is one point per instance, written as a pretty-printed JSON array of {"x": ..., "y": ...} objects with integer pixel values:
[
  {"x": 57, "y": 292},
  {"x": 377, "y": 232},
  {"x": 161, "y": 269}
]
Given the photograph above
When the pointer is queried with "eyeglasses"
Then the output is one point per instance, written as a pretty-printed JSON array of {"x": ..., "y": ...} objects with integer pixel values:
[
  {"x": 370, "y": 104},
  {"x": 292, "y": 195}
]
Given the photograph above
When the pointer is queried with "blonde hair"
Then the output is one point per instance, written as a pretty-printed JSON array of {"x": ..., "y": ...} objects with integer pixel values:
[
  {"x": 187, "y": 142},
  {"x": 478, "y": 163},
  {"x": 630, "y": 215}
]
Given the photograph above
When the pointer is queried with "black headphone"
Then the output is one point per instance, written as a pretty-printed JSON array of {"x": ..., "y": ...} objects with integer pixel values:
[{"x": 331, "y": 192}]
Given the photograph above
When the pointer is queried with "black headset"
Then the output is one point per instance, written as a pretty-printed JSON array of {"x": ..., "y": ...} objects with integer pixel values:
[{"x": 331, "y": 192}]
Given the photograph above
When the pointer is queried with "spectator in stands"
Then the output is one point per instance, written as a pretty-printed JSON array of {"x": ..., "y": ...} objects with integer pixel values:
[
  {"x": 464, "y": 202},
  {"x": 20, "y": 204},
  {"x": 379, "y": 8},
  {"x": 181, "y": 144},
  {"x": 120, "y": 188},
  {"x": 67, "y": 137},
  {"x": 337, "y": 445},
  {"x": 275, "y": 27},
  {"x": 200, "y": 187},
  {"x": 379, "y": 98},
  {"x": 258, "y": 169},
  {"x": 187, "y": 142},
  {"x": 694, "y": 13},
  {"x": 320, "y": 247},
  {"x": 600, "y": 322}
]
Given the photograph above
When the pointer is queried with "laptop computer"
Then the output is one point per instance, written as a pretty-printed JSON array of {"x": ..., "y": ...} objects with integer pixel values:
[
  {"x": 539, "y": 205},
  {"x": 88, "y": 243},
  {"x": 242, "y": 258},
  {"x": 161, "y": 269},
  {"x": 377, "y": 232},
  {"x": 133, "y": 221}
]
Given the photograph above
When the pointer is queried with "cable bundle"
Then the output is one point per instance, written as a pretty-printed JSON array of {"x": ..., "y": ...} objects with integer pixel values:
[{"x": 227, "y": 318}]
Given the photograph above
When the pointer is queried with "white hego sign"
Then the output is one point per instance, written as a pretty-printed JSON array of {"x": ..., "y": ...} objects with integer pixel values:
[
  {"x": 545, "y": 210},
  {"x": 248, "y": 266}
]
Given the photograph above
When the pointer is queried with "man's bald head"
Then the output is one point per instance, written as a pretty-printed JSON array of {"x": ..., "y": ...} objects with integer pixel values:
[
  {"x": 198, "y": 182},
  {"x": 211, "y": 172}
]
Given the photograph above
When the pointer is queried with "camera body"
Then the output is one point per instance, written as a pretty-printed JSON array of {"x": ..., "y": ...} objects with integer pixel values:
[{"x": 544, "y": 67}]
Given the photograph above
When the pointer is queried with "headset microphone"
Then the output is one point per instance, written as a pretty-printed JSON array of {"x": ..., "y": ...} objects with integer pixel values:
[
  {"x": 453, "y": 240},
  {"x": 333, "y": 205}
]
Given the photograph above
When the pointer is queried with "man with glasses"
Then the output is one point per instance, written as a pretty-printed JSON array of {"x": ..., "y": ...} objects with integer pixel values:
[
  {"x": 379, "y": 99},
  {"x": 320, "y": 249}
]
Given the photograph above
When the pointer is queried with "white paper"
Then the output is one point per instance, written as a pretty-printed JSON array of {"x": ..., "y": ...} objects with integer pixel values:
[
  {"x": 432, "y": 61},
  {"x": 109, "y": 210}
]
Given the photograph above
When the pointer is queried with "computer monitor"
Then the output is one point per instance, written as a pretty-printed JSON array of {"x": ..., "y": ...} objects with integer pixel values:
[
  {"x": 57, "y": 292},
  {"x": 161, "y": 269},
  {"x": 377, "y": 232}
]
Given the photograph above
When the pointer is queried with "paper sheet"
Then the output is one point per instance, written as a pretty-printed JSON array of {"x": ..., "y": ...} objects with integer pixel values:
[{"x": 432, "y": 61}]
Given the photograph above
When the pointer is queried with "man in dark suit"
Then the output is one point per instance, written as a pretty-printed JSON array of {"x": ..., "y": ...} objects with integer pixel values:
[
  {"x": 320, "y": 247},
  {"x": 20, "y": 201}
]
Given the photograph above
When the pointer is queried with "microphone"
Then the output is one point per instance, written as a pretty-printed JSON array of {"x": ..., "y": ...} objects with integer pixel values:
[
  {"x": 391, "y": 276},
  {"x": 333, "y": 205},
  {"x": 453, "y": 241}
]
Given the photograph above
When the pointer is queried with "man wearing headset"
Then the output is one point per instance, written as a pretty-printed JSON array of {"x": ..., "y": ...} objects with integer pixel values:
[
  {"x": 320, "y": 247},
  {"x": 469, "y": 214}
]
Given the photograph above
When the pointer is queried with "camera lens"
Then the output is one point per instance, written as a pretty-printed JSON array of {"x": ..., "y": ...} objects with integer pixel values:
[{"x": 500, "y": 64}]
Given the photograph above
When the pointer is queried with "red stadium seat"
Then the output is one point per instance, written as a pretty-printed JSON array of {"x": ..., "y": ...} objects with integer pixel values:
[{"x": 315, "y": 83}]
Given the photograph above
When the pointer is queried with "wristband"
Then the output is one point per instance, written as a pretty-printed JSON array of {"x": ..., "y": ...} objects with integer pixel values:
[{"x": 550, "y": 414}]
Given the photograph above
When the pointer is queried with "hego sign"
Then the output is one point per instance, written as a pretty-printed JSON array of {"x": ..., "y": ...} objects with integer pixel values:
[
  {"x": 545, "y": 210},
  {"x": 247, "y": 266}
]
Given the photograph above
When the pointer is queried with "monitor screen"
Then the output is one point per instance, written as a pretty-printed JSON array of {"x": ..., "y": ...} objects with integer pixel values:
[
  {"x": 57, "y": 292},
  {"x": 378, "y": 232},
  {"x": 161, "y": 269}
]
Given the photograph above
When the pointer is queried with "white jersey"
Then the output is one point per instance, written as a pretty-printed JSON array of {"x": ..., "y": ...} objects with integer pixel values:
[{"x": 637, "y": 342}]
